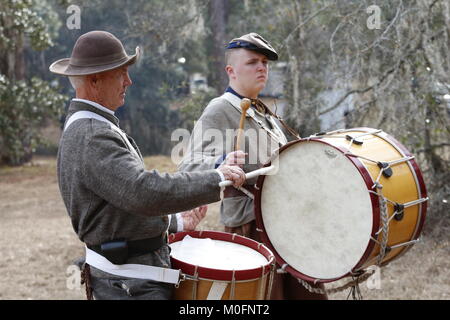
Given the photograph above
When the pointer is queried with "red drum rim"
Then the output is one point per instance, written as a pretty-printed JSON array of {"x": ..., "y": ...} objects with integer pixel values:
[
  {"x": 218, "y": 274},
  {"x": 375, "y": 213}
]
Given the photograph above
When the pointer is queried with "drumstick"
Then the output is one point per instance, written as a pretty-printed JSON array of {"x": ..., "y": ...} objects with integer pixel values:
[
  {"x": 245, "y": 104},
  {"x": 249, "y": 175}
]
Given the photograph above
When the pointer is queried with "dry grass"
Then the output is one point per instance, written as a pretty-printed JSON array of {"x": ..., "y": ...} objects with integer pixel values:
[{"x": 38, "y": 243}]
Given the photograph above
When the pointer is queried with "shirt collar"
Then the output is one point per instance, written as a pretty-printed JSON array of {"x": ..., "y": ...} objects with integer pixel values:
[
  {"x": 231, "y": 90},
  {"x": 94, "y": 104}
]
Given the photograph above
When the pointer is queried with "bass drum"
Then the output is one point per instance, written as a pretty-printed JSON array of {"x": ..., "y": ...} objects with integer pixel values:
[{"x": 339, "y": 203}]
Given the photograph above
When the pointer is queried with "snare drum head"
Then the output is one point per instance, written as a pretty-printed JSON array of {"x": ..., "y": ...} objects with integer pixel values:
[{"x": 316, "y": 211}]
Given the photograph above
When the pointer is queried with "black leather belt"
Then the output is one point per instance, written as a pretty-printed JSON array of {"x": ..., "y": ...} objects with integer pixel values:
[{"x": 118, "y": 251}]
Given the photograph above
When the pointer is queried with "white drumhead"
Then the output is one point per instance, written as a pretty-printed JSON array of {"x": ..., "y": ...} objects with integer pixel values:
[
  {"x": 216, "y": 254},
  {"x": 317, "y": 210}
]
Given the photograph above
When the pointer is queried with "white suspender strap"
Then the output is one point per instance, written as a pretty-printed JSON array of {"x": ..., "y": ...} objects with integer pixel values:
[
  {"x": 92, "y": 115},
  {"x": 84, "y": 115},
  {"x": 138, "y": 271}
]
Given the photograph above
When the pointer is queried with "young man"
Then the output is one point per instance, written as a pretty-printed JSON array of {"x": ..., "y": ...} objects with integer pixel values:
[
  {"x": 247, "y": 59},
  {"x": 117, "y": 207}
]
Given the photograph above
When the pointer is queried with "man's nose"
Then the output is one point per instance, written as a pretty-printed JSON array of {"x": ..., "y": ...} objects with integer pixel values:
[
  {"x": 262, "y": 66},
  {"x": 128, "y": 81}
]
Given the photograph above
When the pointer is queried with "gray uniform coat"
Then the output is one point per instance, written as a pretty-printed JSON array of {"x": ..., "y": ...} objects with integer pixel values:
[{"x": 109, "y": 194}]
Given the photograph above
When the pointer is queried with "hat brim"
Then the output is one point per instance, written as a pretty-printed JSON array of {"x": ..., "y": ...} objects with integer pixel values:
[
  {"x": 268, "y": 53},
  {"x": 64, "y": 68},
  {"x": 240, "y": 43}
]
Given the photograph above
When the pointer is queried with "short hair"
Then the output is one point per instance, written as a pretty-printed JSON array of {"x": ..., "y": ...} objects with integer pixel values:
[
  {"x": 228, "y": 54},
  {"x": 76, "y": 81}
]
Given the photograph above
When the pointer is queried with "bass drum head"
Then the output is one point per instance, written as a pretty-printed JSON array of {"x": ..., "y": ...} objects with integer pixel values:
[{"x": 316, "y": 212}]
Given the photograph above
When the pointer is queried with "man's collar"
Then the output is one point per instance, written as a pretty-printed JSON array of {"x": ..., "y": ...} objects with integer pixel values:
[
  {"x": 231, "y": 90},
  {"x": 94, "y": 104},
  {"x": 83, "y": 104}
]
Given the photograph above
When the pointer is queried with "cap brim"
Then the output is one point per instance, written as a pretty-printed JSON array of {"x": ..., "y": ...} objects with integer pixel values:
[
  {"x": 268, "y": 53},
  {"x": 260, "y": 47},
  {"x": 64, "y": 68}
]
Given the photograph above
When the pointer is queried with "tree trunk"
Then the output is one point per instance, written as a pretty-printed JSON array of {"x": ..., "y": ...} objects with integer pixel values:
[
  {"x": 218, "y": 9},
  {"x": 19, "y": 53}
]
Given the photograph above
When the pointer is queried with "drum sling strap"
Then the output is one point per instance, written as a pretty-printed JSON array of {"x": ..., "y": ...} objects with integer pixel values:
[{"x": 261, "y": 105}]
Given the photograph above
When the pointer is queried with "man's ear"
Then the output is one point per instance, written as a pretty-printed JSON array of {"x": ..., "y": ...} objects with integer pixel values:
[{"x": 230, "y": 71}]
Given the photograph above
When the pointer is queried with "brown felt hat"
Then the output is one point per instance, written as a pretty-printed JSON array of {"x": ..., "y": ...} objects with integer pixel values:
[
  {"x": 253, "y": 41},
  {"x": 94, "y": 52}
]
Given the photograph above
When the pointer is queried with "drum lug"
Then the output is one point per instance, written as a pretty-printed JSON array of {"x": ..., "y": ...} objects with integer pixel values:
[
  {"x": 399, "y": 211},
  {"x": 354, "y": 140},
  {"x": 387, "y": 250},
  {"x": 387, "y": 171}
]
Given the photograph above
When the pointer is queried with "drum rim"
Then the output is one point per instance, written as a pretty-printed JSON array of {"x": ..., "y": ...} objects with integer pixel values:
[
  {"x": 220, "y": 274},
  {"x": 375, "y": 213}
]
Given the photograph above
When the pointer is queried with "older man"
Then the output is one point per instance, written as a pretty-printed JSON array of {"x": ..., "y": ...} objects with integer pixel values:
[
  {"x": 117, "y": 207},
  {"x": 247, "y": 67}
]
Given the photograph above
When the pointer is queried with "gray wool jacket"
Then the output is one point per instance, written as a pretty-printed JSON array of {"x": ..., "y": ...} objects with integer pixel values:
[{"x": 110, "y": 195}]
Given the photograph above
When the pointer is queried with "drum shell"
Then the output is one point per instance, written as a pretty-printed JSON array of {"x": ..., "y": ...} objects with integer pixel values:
[{"x": 405, "y": 185}]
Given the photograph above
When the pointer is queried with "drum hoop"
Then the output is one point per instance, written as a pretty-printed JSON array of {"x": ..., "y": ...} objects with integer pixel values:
[
  {"x": 375, "y": 213},
  {"x": 220, "y": 274}
]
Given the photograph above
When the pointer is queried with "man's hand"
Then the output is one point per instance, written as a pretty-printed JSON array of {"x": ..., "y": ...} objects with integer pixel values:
[
  {"x": 193, "y": 217},
  {"x": 233, "y": 173},
  {"x": 231, "y": 168}
]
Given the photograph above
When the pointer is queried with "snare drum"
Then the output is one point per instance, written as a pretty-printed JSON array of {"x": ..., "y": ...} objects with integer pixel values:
[
  {"x": 218, "y": 266},
  {"x": 340, "y": 203}
]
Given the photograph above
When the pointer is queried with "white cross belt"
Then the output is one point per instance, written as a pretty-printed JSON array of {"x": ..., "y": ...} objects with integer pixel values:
[{"x": 138, "y": 271}]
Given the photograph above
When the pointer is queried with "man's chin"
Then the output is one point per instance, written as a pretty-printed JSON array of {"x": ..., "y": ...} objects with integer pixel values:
[
  {"x": 119, "y": 104},
  {"x": 261, "y": 87}
]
